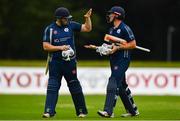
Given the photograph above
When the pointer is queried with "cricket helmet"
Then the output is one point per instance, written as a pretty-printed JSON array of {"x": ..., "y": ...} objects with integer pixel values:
[
  {"x": 62, "y": 12},
  {"x": 119, "y": 11}
]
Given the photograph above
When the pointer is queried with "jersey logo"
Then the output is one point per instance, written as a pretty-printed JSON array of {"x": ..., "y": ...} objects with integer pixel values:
[
  {"x": 110, "y": 32},
  {"x": 74, "y": 71},
  {"x": 66, "y": 29},
  {"x": 55, "y": 32},
  {"x": 56, "y": 40},
  {"x": 119, "y": 31},
  {"x": 116, "y": 67},
  {"x": 64, "y": 39}
]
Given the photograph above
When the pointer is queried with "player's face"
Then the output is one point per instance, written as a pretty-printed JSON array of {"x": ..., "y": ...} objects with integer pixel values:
[
  {"x": 110, "y": 17},
  {"x": 64, "y": 21}
]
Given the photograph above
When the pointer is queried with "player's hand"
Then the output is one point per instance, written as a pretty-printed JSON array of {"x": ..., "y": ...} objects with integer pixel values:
[
  {"x": 90, "y": 46},
  {"x": 114, "y": 49},
  {"x": 88, "y": 14},
  {"x": 63, "y": 47}
]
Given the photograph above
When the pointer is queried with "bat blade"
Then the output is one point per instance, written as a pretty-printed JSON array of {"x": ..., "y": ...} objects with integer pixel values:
[
  {"x": 113, "y": 39},
  {"x": 47, "y": 64}
]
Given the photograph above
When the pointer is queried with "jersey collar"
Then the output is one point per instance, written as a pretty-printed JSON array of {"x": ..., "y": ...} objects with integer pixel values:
[{"x": 118, "y": 26}]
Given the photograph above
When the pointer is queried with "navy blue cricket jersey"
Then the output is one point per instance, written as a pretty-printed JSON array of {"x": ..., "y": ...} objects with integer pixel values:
[
  {"x": 61, "y": 35},
  {"x": 122, "y": 31}
]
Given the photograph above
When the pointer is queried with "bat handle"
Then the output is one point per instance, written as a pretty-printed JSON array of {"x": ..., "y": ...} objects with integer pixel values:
[{"x": 143, "y": 49}]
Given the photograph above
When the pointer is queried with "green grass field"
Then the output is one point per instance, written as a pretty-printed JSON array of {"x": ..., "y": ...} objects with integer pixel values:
[
  {"x": 94, "y": 63},
  {"x": 30, "y": 107}
]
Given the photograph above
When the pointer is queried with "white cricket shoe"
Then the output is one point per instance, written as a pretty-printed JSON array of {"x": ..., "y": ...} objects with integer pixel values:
[
  {"x": 105, "y": 114},
  {"x": 81, "y": 115},
  {"x": 129, "y": 114},
  {"x": 46, "y": 115}
]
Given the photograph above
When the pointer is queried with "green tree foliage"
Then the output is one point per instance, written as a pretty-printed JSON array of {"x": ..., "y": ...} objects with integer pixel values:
[{"x": 22, "y": 23}]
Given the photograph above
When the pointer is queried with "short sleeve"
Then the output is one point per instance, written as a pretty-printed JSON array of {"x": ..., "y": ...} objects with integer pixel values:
[
  {"x": 129, "y": 36},
  {"x": 46, "y": 35},
  {"x": 75, "y": 26}
]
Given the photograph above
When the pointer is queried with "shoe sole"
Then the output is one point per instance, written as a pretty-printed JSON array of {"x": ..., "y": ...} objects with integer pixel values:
[
  {"x": 103, "y": 115},
  {"x": 82, "y": 116},
  {"x": 48, "y": 116},
  {"x": 130, "y": 116}
]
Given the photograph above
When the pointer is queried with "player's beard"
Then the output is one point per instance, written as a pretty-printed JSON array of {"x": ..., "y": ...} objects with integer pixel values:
[{"x": 64, "y": 22}]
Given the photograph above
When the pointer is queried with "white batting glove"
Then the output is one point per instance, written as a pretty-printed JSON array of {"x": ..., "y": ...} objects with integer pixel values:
[
  {"x": 104, "y": 49},
  {"x": 68, "y": 54}
]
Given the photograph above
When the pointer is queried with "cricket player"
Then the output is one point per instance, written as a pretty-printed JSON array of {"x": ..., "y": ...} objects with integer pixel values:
[
  {"x": 59, "y": 41},
  {"x": 120, "y": 57}
]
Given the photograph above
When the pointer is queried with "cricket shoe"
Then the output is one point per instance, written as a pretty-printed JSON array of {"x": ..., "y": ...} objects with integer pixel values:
[
  {"x": 129, "y": 114},
  {"x": 47, "y": 115},
  {"x": 105, "y": 114},
  {"x": 82, "y": 115}
]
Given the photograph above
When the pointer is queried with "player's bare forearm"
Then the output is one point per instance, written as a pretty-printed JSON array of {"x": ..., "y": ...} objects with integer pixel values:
[
  {"x": 51, "y": 48},
  {"x": 88, "y": 23},
  {"x": 94, "y": 47},
  {"x": 87, "y": 26}
]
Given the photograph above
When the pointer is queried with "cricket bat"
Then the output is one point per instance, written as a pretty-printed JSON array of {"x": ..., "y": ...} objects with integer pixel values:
[
  {"x": 113, "y": 39},
  {"x": 49, "y": 54}
]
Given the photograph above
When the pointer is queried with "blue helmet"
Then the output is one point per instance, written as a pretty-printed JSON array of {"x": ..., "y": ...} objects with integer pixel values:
[
  {"x": 118, "y": 11},
  {"x": 62, "y": 12}
]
